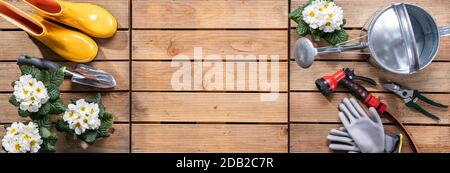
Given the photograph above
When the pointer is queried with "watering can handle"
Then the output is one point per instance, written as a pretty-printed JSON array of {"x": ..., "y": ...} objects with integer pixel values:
[
  {"x": 444, "y": 31},
  {"x": 339, "y": 49}
]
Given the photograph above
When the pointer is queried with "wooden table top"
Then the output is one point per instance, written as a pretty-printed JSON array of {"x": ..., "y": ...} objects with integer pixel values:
[{"x": 151, "y": 116}]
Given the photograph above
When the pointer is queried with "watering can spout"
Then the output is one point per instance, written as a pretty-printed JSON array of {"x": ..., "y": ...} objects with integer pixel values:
[
  {"x": 444, "y": 31},
  {"x": 306, "y": 52}
]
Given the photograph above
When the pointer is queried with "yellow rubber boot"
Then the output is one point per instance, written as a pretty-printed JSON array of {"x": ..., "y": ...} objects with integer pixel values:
[
  {"x": 89, "y": 18},
  {"x": 69, "y": 44}
]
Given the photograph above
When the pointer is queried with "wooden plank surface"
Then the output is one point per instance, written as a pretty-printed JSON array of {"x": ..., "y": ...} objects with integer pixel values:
[
  {"x": 312, "y": 137},
  {"x": 432, "y": 79},
  {"x": 157, "y": 76},
  {"x": 443, "y": 51},
  {"x": 358, "y": 12},
  {"x": 116, "y": 48},
  {"x": 207, "y": 107},
  {"x": 209, "y": 138},
  {"x": 167, "y": 44},
  {"x": 314, "y": 107},
  {"x": 9, "y": 72},
  {"x": 118, "y": 142},
  {"x": 116, "y": 103},
  {"x": 210, "y": 14},
  {"x": 118, "y": 8}
]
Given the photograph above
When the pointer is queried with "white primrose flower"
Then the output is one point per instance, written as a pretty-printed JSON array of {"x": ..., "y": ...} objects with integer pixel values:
[
  {"x": 92, "y": 116},
  {"x": 310, "y": 17},
  {"x": 82, "y": 116},
  {"x": 70, "y": 114},
  {"x": 22, "y": 138},
  {"x": 30, "y": 93},
  {"x": 82, "y": 106},
  {"x": 324, "y": 15},
  {"x": 79, "y": 125}
]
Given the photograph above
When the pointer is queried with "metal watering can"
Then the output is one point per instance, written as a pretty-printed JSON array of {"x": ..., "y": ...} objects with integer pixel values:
[{"x": 401, "y": 38}]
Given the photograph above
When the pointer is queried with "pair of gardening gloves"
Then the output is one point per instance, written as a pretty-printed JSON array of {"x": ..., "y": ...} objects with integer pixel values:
[{"x": 361, "y": 133}]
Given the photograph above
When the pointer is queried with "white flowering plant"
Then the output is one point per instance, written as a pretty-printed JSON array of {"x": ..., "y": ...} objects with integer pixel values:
[
  {"x": 86, "y": 119},
  {"x": 36, "y": 93},
  {"x": 321, "y": 19},
  {"x": 33, "y": 137}
]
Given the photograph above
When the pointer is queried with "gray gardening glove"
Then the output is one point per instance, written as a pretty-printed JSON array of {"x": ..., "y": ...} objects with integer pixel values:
[
  {"x": 341, "y": 141},
  {"x": 367, "y": 132}
]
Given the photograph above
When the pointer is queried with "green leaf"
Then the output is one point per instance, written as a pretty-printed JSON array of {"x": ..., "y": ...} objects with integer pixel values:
[
  {"x": 73, "y": 100},
  {"x": 302, "y": 28},
  {"x": 90, "y": 136},
  {"x": 103, "y": 133},
  {"x": 54, "y": 77},
  {"x": 31, "y": 70},
  {"x": 296, "y": 15},
  {"x": 6, "y": 126},
  {"x": 309, "y": 2},
  {"x": 35, "y": 116},
  {"x": 107, "y": 121},
  {"x": 57, "y": 107},
  {"x": 13, "y": 83},
  {"x": 44, "y": 122},
  {"x": 44, "y": 132},
  {"x": 24, "y": 113},
  {"x": 315, "y": 34},
  {"x": 52, "y": 138},
  {"x": 336, "y": 37},
  {"x": 45, "y": 109},
  {"x": 101, "y": 110},
  {"x": 62, "y": 126},
  {"x": 97, "y": 99},
  {"x": 53, "y": 92},
  {"x": 13, "y": 101},
  {"x": 47, "y": 148}
]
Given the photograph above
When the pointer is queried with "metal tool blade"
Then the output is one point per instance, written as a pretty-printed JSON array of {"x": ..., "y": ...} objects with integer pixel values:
[
  {"x": 405, "y": 94},
  {"x": 391, "y": 87},
  {"x": 90, "y": 76}
]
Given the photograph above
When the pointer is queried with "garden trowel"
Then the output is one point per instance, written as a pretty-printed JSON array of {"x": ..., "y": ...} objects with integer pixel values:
[{"x": 82, "y": 74}]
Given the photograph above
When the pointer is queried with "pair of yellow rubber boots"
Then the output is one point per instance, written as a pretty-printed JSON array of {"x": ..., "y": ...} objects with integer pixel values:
[{"x": 69, "y": 44}]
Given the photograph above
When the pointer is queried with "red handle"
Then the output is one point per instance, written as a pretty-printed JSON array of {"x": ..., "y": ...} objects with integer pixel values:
[{"x": 363, "y": 95}]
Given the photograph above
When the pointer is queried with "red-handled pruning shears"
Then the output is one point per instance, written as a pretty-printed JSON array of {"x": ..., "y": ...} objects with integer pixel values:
[{"x": 410, "y": 98}]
